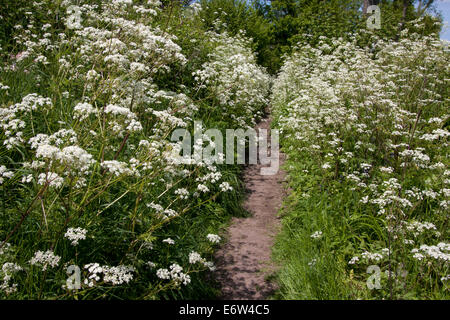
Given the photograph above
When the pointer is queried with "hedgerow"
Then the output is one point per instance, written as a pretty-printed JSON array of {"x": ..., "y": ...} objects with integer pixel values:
[
  {"x": 366, "y": 134},
  {"x": 90, "y": 179}
]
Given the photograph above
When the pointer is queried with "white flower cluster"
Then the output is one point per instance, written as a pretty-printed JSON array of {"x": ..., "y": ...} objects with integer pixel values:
[
  {"x": 118, "y": 168},
  {"x": 83, "y": 110},
  {"x": 234, "y": 77},
  {"x": 418, "y": 227},
  {"x": 214, "y": 238},
  {"x": 11, "y": 117},
  {"x": 93, "y": 145},
  {"x": 225, "y": 186},
  {"x": 354, "y": 260},
  {"x": 2, "y": 86},
  {"x": 169, "y": 241},
  {"x": 202, "y": 188},
  {"x": 94, "y": 270},
  {"x": 441, "y": 252},
  {"x": 312, "y": 263},
  {"x": 75, "y": 235},
  {"x": 5, "y": 248},
  {"x": 8, "y": 269},
  {"x": 50, "y": 178},
  {"x": 72, "y": 156},
  {"x": 45, "y": 259},
  {"x": 373, "y": 127},
  {"x": 182, "y": 193},
  {"x": 317, "y": 235},
  {"x": 175, "y": 274},
  {"x": 372, "y": 256},
  {"x": 5, "y": 173},
  {"x": 195, "y": 257},
  {"x": 115, "y": 275},
  {"x": 118, "y": 275}
]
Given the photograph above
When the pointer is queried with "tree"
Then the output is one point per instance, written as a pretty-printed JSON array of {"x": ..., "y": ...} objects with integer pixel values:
[{"x": 277, "y": 25}]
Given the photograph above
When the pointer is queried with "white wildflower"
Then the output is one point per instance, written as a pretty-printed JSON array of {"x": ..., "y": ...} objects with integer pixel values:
[
  {"x": 75, "y": 235},
  {"x": 214, "y": 238},
  {"x": 45, "y": 259}
]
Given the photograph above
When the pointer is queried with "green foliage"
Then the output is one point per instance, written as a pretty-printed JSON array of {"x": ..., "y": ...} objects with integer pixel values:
[
  {"x": 367, "y": 162},
  {"x": 278, "y": 25},
  {"x": 112, "y": 89},
  {"x": 292, "y": 21},
  {"x": 199, "y": 64},
  {"x": 236, "y": 16}
]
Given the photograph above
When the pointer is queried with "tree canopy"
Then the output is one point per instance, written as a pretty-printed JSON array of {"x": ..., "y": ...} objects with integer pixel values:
[{"x": 276, "y": 26}]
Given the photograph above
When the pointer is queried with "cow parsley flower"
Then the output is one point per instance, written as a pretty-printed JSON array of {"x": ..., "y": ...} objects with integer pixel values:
[
  {"x": 372, "y": 256},
  {"x": 169, "y": 241},
  {"x": 45, "y": 259},
  {"x": 312, "y": 263},
  {"x": 214, "y": 238},
  {"x": 117, "y": 168},
  {"x": 326, "y": 166},
  {"x": 83, "y": 110},
  {"x": 225, "y": 186},
  {"x": 118, "y": 275},
  {"x": 353, "y": 260},
  {"x": 178, "y": 276},
  {"x": 75, "y": 235},
  {"x": 163, "y": 274},
  {"x": 8, "y": 269},
  {"x": 51, "y": 178},
  {"x": 195, "y": 257},
  {"x": 209, "y": 265},
  {"x": 182, "y": 193},
  {"x": 4, "y": 173},
  {"x": 202, "y": 188},
  {"x": 316, "y": 235}
]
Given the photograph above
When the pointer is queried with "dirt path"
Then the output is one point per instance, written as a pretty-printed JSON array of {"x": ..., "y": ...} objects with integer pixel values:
[{"x": 245, "y": 260}]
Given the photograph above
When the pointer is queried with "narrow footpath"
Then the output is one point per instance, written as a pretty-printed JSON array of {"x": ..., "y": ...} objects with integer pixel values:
[{"x": 244, "y": 262}]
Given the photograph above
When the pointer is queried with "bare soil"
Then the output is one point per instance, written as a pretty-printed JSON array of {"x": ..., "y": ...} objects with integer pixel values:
[{"x": 244, "y": 262}]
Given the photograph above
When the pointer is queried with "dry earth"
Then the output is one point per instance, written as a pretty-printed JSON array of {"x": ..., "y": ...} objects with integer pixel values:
[{"x": 244, "y": 262}]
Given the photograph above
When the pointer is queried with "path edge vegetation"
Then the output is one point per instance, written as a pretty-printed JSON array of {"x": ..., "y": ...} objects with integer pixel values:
[{"x": 277, "y": 30}]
